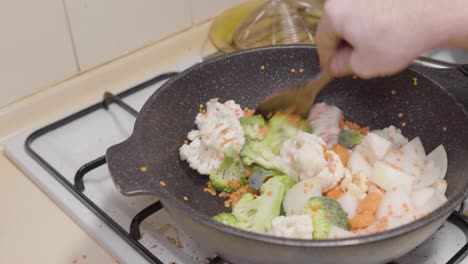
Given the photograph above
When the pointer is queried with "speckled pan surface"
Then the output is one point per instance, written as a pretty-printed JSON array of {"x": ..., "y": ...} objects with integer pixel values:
[{"x": 168, "y": 115}]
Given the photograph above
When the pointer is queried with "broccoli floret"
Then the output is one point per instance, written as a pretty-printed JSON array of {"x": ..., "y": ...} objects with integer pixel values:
[
  {"x": 279, "y": 130},
  {"x": 255, "y": 213},
  {"x": 244, "y": 180},
  {"x": 282, "y": 127},
  {"x": 254, "y": 127},
  {"x": 227, "y": 219},
  {"x": 258, "y": 152},
  {"x": 228, "y": 178},
  {"x": 259, "y": 175},
  {"x": 325, "y": 213},
  {"x": 265, "y": 152},
  {"x": 349, "y": 138},
  {"x": 287, "y": 181}
]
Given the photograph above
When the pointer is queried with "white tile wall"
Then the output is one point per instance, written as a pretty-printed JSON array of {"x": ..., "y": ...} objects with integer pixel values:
[
  {"x": 35, "y": 47},
  {"x": 48, "y": 40},
  {"x": 205, "y": 9},
  {"x": 105, "y": 29}
]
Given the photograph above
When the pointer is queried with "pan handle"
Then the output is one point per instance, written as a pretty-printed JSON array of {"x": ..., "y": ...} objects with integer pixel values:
[
  {"x": 130, "y": 175},
  {"x": 463, "y": 68}
]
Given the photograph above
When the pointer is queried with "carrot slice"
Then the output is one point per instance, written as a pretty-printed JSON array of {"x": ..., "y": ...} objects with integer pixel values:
[
  {"x": 370, "y": 203},
  {"x": 335, "y": 193},
  {"x": 361, "y": 221},
  {"x": 342, "y": 152}
]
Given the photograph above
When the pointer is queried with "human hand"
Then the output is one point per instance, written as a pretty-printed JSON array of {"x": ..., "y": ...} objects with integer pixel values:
[{"x": 373, "y": 38}]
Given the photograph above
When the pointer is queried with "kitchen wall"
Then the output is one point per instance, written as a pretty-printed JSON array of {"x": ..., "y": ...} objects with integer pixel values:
[{"x": 43, "y": 42}]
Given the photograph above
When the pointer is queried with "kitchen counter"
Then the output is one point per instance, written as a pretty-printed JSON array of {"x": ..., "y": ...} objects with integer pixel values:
[{"x": 33, "y": 228}]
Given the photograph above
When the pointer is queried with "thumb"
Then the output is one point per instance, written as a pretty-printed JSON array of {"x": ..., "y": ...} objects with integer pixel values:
[
  {"x": 327, "y": 40},
  {"x": 340, "y": 64}
]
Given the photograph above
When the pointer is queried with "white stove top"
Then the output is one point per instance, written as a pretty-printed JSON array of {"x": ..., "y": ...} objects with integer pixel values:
[{"x": 69, "y": 147}]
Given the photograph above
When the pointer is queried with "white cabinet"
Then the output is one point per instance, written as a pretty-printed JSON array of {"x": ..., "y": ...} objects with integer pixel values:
[
  {"x": 205, "y": 9},
  {"x": 35, "y": 47},
  {"x": 105, "y": 29}
]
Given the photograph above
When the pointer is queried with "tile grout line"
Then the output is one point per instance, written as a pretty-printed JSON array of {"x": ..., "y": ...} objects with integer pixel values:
[
  {"x": 72, "y": 39},
  {"x": 97, "y": 67}
]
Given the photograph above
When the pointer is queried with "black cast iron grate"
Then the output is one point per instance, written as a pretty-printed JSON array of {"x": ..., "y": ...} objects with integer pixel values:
[{"x": 134, "y": 235}]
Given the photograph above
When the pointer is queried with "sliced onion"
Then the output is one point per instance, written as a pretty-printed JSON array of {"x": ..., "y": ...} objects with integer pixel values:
[
  {"x": 396, "y": 202},
  {"x": 429, "y": 176},
  {"x": 388, "y": 177},
  {"x": 439, "y": 156},
  {"x": 416, "y": 149},
  {"x": 349, "y": 202},
  {"x": 410, "y": 158},
  {"x": 358, "y": 164},
  {"x": 427, "y": 200},
  {"x": 378, "y": 144},
  {"x": 296, "y": 198},
  {"x": 440, "y": 186}
]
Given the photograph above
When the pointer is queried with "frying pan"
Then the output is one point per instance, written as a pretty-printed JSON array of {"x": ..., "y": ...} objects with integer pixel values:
[{"x": 169, "y": 113}]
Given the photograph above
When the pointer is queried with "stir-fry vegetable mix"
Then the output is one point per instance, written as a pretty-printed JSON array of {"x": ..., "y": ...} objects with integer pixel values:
[{"x": 313, "y": 179}]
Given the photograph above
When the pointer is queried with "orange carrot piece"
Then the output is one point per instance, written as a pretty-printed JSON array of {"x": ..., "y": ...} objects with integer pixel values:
[
  {"x": 370, "y": 203},
  {"x": 361, "y": 221},
  {"x": 335, "y": 193},
  {"x": 342, "y": 152}
]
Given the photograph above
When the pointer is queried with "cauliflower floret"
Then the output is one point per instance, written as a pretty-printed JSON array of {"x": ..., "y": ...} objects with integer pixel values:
[
  {"x": 358, "y": 171},
  {"x": 356, "y": 184},
  {"x": 219, "y": 131},
  {"x": 325, "y": 119},
  {"x": 336, "y": 233},
  {"x": 304, "y": 154},
  {"x": 293, "y": 226},
  {"x": 220, "y": 128},
  {"x": 200, "y": 157},
  {"x": 393, "y": 135},
  {"x": 332, "y": 173}
]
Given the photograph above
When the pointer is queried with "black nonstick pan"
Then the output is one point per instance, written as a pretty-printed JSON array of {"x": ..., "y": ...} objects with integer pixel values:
[{"x": 168, "y": 116}]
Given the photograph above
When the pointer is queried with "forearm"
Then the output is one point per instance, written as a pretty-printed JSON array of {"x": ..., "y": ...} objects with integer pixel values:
[{"x": 449, "y": 24}]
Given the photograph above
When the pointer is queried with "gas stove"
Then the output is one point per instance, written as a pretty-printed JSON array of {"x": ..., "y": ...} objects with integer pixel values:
[{"x": 66, "y": 160}]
